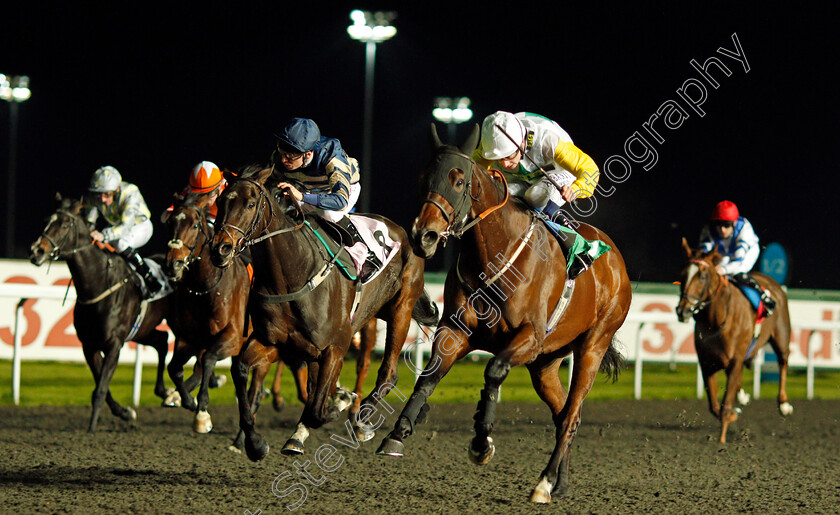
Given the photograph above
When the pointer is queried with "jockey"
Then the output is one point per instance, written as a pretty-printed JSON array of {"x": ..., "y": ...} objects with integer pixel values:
[
  {"x": 117, "y": 215},
  {"x": 504, "y": 138},
  {"x": 205, "y": 179},
  {"x": 733, "y": 237},
  {"x": 318, "y": 172}
]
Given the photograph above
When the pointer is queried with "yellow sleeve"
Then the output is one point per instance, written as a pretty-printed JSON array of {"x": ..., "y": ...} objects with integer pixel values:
[
  {"x": 478, "y": 157},
  {"x": 580, "y": 165}
]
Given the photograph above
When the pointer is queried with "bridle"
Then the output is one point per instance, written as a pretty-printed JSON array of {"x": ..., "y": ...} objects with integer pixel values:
[
  {"x": 56, "y": 252},
  {"x": 457, "y": 224},
  {"x": 698, "y": 303},
  {"x": 204, "y": 230},
  {"x": 247, "y": 239}
]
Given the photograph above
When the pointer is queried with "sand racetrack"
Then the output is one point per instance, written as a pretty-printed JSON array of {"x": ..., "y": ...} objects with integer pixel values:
[{"x": 628, "y": 457}]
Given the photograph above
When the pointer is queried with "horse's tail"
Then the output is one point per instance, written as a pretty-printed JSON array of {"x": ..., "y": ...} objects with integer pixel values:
[
  {"x": 612, "y": 362},
  {"x": 425, "y": 311}
]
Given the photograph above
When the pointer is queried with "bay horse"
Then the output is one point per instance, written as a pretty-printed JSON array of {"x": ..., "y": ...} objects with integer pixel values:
[
  {"x": 499, "y": 297},
  {"x": 108, "y": 301},
  {"x": 724, "y": 330},
  {"x": 302, "y": 308},
  {"x": 208, "y": 315}
]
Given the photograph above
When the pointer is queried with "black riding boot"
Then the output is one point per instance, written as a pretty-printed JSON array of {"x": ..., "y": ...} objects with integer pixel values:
[
  {"x": 581, "y": 262},
  {"x": 136, "y": 262},
  {"x": 748, "y": 280},
  {"x": 372, "y": 263}
]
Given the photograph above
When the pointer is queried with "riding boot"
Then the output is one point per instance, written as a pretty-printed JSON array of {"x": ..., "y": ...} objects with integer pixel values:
[
  {"x": 136, "y": 262},
  {"x": 372, "y": 263},
  {"x": 748, "y": 280},
  {"x": 581, "y": 262}
]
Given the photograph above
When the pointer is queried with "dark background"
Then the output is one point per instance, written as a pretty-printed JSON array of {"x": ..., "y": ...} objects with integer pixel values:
[{"x": 154, "y": 88}]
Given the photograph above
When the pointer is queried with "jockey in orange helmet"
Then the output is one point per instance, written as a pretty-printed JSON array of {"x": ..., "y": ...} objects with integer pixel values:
[
  {"x": 733, "y": 237},
  {"x": 205, "y": 179}
]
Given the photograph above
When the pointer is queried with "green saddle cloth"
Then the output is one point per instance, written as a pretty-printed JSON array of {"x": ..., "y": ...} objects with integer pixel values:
[{"x": 594, "y": 248}]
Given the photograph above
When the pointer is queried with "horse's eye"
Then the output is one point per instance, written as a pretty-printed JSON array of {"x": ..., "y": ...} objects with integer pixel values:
[
  {"x": 195, "y": 226},
  {"x": 459, "y": 182},
  {"x": 251, "y": 204}
]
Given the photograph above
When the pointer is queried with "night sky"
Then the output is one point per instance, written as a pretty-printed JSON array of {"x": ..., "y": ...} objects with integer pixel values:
[{"x": 156, "y": 88}]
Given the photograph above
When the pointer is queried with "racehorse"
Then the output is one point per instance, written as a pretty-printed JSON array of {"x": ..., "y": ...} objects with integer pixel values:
[
  {"x": 726, "y": 335},
  {"x": 209, "y": 304},
  {"x": 499, "y": 297},
  {"x": 109, "y": 299},
  {"x": 302, "y": 308}
]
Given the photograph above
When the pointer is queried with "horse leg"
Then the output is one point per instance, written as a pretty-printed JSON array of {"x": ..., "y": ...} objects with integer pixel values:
[
  {"x": 588, "y": 355},
  {"x": 733, "y": 384},
  {"x": 710, "y": 384},
  {"x": 367, "y": 341},
  {"x": 108, "y": 367},
  {"x": 276, "y": 400},
  {"x": 521, "y": 349},
  {"x": 782, "y": 354},
  {"x": 182, "y": 396},
  {"x": 386, "y": 379},
  {"x": 255, "y": 395},
  {"x": 253, "y": 354},
  {"x": 202, "y": 423},
  {"x": 318, "y": 411},
  {"x": 450, "y": 345},
  {"x": 546, "y": 382},
  {"x": 94, "y": 361},
  {"x": 159, "y": 340}
]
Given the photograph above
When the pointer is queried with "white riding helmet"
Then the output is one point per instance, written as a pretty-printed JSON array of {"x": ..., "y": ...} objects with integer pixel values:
[
  {"x": 495, "y": 143},
  {"x": 105, "y": 179}
]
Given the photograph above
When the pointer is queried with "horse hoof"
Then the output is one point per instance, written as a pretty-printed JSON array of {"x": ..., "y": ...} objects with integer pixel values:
[
  {"x": 786, "y": 409},
  {"x": 391, "y": 447},
  {"x": 202, "y": 423},
  {"x": 218, "y": 380},
  {"x": 483, "y": 457},
  {"x": 293, "y": 447},
  {"x": 542, "y": 493},
  {"x": 743, "y": 398},
  {"x": 129, "y": 415},
  {"x": 278, "y": 403},
  {"x": 256, "y": 449},
  {"x": 233, "y": 448},
  {"x": 173, "y": 400},
  {"x": 343, "y": 399},
  {"x": 363, "y": 435}
]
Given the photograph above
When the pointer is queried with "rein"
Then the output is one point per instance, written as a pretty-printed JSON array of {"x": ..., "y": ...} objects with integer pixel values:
[
  {"x": 706, "y": 297},
  {"x": 177, "y": 243}
]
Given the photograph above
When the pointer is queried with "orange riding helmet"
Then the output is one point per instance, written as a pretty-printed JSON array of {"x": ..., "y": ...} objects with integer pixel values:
[
  {"x": 205, "y": 177},
  {"x": 726, "y": 211}
]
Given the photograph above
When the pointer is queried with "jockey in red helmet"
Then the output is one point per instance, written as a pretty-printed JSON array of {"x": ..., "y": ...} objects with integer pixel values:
[{"x": 733, "y": 237}]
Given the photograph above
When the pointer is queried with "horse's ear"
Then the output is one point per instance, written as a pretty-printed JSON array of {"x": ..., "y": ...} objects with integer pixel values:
[
  {"x": 471, "y": 144},
  {"x": 264, "y": 174},
  {"x": 686, "y": 248},
  {"x": 716, "y": 258},
  {"x": 435, "y": 139},
  {"x": 229, "y": 176},
  {"x": 57, "y": 197}
]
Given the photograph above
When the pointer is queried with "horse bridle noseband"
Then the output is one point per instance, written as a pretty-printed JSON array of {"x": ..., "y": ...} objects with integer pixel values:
[
  {"x": 246, "y": 240},
  {"x": 695, "y": 303},
  {"x": 177, "y": 243},
  {"x": 56, "y": 254},
  {"x": 461, "y": 204}
]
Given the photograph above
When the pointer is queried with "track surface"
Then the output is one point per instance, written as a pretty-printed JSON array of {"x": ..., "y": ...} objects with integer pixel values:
[{"x": 628, "y": 457}]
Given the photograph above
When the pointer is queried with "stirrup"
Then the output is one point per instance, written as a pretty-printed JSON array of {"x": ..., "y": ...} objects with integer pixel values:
[
  {"x": 769, "y": 303},
  {"x": 369, "y": 268}
]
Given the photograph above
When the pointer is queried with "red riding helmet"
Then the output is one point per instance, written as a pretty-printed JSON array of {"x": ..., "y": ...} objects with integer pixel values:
[{"x": 726, "y": 211}]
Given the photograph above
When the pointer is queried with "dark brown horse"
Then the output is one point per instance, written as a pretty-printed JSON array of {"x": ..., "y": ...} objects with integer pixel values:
[
  {"x": 500, "y": 296},
  {"x": 725, "y": 327},
  {"x": 301, "y": 305},
  {"x": 108, "y": 301},
  {"x": 208, "y": 314}
]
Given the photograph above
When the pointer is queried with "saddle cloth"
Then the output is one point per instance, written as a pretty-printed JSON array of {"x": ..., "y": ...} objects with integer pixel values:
[
  {"x": 755, "y": 301},
  {"x": 595, "y": 248},
  {"x": 376, "y": 240}
]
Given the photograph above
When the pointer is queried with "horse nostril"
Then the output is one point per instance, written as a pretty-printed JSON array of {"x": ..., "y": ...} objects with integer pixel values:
[
  {"x": 429, "y": 238},
  {"x": 225, "y": 249}
]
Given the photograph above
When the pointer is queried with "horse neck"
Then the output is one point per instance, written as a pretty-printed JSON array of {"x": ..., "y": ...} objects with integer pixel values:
[
  {"x": 719, "y": 301},
  {"x": 500, "y": 231},
  {"x": 283, "y": 262},
  {"x": 91, "y": 270},
  {"x": 204, "y": 274}
]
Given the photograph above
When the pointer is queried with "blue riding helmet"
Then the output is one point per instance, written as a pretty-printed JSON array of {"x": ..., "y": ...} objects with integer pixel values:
[{"x": 300, "y": 134}]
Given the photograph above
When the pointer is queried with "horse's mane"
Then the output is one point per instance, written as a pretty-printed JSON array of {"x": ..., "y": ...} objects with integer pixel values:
[{"x": 249, "y": 171}]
